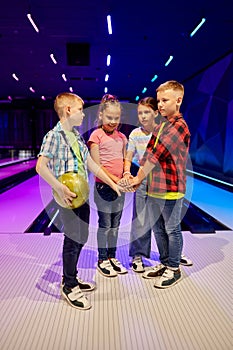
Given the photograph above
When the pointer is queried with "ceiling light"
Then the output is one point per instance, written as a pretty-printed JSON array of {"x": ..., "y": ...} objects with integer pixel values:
[
  {"x": 31, "y": 89},
  {"x": 106, "y": 77},
  {"x": 32, "y": 22},
  {"x": 71, "y": 89},
  {"x": 43, "y": 98},
  {"x": 154, "y": 78},
  {"x": 64, "y": 77},
  {"x": 15, "y": 76},
  {"x": 198, "y": 27},
  {"x": 105, "y": 90},
  {"x": 136, "y": 98},
  {"x": 53, "y": 58},
  {"x": 144, "y": 90},
  {"x": 109, "y": 24},
  {"x": 168, "y": 61},
  {"x": 108, "y": 60}
]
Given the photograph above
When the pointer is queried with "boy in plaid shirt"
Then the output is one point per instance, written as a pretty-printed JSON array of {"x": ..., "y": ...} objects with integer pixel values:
[
  {"x": 165, "y": 161},
  {"x": 63, "y": 150}
]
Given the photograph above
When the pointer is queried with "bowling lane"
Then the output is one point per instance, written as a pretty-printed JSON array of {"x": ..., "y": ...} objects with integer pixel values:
[
  {"x": 215, "y": 201},
  {"x": 18, "y": 167},
  {"x": 20, "y": 205}
]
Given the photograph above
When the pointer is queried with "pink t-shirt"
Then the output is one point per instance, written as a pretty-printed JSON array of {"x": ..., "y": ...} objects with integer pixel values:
[{"x": 110, "y": 150}]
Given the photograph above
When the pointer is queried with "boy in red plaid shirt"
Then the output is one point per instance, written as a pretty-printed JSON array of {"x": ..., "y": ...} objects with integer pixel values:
[{"x": 165, "y": 162}]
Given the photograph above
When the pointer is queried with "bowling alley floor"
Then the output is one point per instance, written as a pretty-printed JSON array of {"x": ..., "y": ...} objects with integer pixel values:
[{"x": 127, "y": 311}]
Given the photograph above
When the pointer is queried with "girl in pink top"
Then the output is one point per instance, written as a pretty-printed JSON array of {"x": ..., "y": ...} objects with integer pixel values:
[{"x": 108, "y": 149}]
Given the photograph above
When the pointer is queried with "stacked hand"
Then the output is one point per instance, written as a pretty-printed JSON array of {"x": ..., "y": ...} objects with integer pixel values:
[{"x": 129, "y": 183}]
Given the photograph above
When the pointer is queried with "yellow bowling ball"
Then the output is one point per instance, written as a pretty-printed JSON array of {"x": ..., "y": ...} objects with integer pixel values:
[{"x": 77, "y": 184}]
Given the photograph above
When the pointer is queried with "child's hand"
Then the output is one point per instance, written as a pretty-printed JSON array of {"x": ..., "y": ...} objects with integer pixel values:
[
  {"x": 118, "y": 189},
  {"x": 125, "y": 184},
  {"x": 135, "y": 182},
  {"x": 66, "y": 196}
]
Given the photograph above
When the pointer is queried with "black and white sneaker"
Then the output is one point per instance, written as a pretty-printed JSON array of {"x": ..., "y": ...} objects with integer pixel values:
[
  {"x": 137, "y": 264},
  {"x": 185, "y": 261},
  {"x": 106, "y": 269},
  {"x": 168, "y": 278},
  {"x": 117, "y": 266},
  {"x": 76, "y": 298}
]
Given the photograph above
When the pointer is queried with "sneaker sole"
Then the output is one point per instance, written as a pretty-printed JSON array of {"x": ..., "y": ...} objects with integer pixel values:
[
  {"x": 137, "y": 271},
  {"x": 121, "y": 272},
  {"x": 76, "y": 307},
  {"x": 104, "y": 274},
  {"x": 151, "y": 277},
  {"x": 185, "y": 264},
  {"x": 158, "y": 274},
  {"x": 168, "y": 286}
]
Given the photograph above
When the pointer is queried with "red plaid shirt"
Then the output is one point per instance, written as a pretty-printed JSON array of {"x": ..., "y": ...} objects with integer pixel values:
[{"x": 169, "y": 154}]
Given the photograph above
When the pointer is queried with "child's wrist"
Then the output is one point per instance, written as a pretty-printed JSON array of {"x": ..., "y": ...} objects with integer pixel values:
[{"x": 141, "y": 175}]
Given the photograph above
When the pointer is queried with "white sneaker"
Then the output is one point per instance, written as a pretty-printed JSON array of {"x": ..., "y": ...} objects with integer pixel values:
[
  {"x": 154, "y": 271},
  {"x": 185, "y": 261},
  {"x": 117, "y": 266},
  {"x": 137, "y": 264},
  {"x": 168, "y": 278},
  {"x": 76, "y": 298},
  {"x": 106, "y": 269}
]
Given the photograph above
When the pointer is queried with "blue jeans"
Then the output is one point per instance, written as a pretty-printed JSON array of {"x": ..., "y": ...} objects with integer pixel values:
[
  {"x": 165, "y": 219},
  {"x": 140, "y": 234},
  {"x": 75, "y": 227},
  {"x": 110, "y": 207}
]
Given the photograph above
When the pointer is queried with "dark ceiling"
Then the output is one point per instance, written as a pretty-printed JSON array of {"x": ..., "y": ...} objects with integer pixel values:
[{"x": 145, "y": 34}]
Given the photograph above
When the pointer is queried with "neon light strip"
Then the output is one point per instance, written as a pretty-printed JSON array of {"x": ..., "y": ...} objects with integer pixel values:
[
  {"x": 15, "y": 76},
  {"x": 64, "y": 77},
  {"x": 53, "y": 58},
  {"x": 108, "y": 60},
  {"x": 154, "y": 78},
  {"x": 32, "y": 22},
  {"x": 109, "y": 25},
  {"x": 198, "y": 27},
  {"x": 210, "y": 178},
  {"x": 169, "y": 60},
  {"x": 50, "y": 224}
]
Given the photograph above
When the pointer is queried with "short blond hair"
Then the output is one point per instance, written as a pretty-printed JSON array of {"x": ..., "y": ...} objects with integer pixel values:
[
  {"x": 172, "y": 85},
  {"x": 65, "y": 99}
]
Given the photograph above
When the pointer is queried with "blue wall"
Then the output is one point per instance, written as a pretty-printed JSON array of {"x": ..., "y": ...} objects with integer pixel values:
[{"x": 208, "y": 110}]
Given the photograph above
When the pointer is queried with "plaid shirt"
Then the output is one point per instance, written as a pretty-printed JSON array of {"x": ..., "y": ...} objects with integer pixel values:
[
  {"x": 56, "y": 146},
  {"x": 169, "y": 154}
]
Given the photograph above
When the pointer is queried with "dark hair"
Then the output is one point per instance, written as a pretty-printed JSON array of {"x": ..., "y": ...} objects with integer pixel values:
[{"x": 150, "y": 102}]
